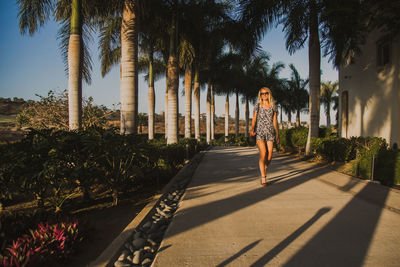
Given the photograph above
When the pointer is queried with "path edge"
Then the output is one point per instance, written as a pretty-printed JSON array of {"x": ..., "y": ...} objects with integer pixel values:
[{"x": 110, "y": 254}]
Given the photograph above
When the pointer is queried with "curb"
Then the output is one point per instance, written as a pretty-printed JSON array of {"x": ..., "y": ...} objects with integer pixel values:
[{"x": 110, "y": 254}]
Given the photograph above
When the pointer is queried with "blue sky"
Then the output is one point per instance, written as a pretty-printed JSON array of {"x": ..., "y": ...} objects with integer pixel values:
[{"x": 33, "y": 65}]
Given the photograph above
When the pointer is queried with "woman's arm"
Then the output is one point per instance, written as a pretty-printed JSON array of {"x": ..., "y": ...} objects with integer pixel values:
[
  {"x": 253, "y": 122},
  {"x": 276, "y": 128}
]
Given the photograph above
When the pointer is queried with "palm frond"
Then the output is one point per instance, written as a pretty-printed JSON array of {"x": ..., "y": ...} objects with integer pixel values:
[
  {"x": 109, "y": 42},
  {"x": 63, "y": 38},
  {"x": 33, "y": 14}
]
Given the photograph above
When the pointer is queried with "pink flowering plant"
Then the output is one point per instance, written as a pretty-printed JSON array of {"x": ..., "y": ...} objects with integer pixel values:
[{"x": 45, "y": 244}]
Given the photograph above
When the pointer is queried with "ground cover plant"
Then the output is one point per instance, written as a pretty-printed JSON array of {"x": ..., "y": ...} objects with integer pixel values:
[
  {"x": 357, "y": 151},
  {"x": 51, "y": 168}
]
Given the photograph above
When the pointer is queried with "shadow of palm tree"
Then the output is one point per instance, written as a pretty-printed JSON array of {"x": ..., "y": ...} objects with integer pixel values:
[
  {"x": 237, "y": 255},
  {"x": 282, "y": 245},
  {"x": 345, "y": 240}
]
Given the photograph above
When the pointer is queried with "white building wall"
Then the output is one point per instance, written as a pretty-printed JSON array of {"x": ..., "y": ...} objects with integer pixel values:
[{"x": 373, "y": 94}]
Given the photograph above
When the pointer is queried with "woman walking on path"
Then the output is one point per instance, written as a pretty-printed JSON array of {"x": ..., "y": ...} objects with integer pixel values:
[{"x": 265, "y": 127}]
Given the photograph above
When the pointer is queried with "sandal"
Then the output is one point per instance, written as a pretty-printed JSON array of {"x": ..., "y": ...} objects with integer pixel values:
[{"x": 263, "y": 184}]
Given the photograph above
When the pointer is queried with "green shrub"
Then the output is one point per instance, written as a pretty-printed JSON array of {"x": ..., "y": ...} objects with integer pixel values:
[
  {"x": 295, "y": 138},
  {"x": 298, "y": 137},
  {"x": 366, "y": 147},
  {"x": 387, "y": 169},
  {"x": 235, "y": 141},
  {"x": 285, "y": 137},
  {"x": 334, "y": 148}
]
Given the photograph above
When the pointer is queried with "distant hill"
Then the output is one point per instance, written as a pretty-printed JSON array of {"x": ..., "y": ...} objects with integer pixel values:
[{"x": 10, "y": 106}]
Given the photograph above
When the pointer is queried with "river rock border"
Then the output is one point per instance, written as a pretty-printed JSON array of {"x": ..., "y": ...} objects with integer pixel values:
[{"x": 142, "y": 242}]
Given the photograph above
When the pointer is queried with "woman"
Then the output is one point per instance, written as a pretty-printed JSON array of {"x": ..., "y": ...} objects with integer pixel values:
[{"x": 265, "y": 127}]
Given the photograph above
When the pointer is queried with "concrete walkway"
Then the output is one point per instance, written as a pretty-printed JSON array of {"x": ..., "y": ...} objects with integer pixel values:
[{"x": 307, "y": 216}]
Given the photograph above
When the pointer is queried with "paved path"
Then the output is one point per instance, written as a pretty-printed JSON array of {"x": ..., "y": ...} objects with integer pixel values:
[{"x": 307, "y": 216}]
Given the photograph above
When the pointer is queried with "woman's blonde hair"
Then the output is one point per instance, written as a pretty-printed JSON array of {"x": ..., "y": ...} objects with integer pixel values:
[{"x": 270, "y": 97}]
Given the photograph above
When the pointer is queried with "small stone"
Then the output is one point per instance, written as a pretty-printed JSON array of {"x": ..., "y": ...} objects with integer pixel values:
[
  {"x": 146, "y": 262},
  {"x": 152, "y": 242},
  {"x": 147, "y": 224},
  {"x": 137, "y": 235},
  {"x": 129, "y": 246},
  {"x": 148, "y": 255},
  {"x": 163, "y": 228},
  {"x": 170, "y": 197},
  {"x": 123, "y": 255},
  {"x": 136, "y": 256},
  {"x": 155, "y": 236},
  {"x": 139, "y": 242},
  {"x": 121, "y": 264}
]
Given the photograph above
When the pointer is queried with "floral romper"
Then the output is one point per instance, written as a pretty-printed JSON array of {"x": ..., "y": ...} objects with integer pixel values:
[{"x": 265, "y": 123}]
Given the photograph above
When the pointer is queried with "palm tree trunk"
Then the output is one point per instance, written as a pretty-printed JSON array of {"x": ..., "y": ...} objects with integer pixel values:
[
  {"x": 129, "y": 78},
  {"x": 196, "y": 94},
  {"x": 173, "y": 85},
  {"x": 166, "y": 107},
  {"x": 289, "y": 114},
  {"x": 208, "y": 113},
  {"x": 151, "y": 99},
  {"x": 226, "y": 117},
  {"x": 314, "y": 55},
  {"x": 75, "y": 68},
  {"x": 247, "y": 113},
  {"x": 212, "y": 114},
  {"x": 328, "y": 115},
  {"x": 281, "y": 116},
  {"x": 298, "y": 118},
  {"x": 237, "y": 115},
  {"x": 188, "y": 102}
]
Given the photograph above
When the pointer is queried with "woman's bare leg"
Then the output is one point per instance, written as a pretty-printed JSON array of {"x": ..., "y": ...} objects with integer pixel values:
[
  {"x": 270, "y": 146},
  {"x": 262, "y": 149}
]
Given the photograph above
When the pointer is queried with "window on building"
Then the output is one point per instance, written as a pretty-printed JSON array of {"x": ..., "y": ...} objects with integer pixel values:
[{"x": 383, "y": 52}]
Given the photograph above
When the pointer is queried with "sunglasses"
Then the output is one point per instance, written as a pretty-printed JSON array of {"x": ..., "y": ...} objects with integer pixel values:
[{"x": 266, "y": 93}]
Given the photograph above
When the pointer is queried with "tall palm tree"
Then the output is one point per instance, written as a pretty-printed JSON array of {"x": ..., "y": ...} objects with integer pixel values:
[
  {"x": 119, "y": 43},
  {"x": 186, "y": 59},
  {"x": 226, "y": 81},
  {"x": 154, "y": 69},
  {"x": 75, "y": 18},
  {"x": 152, "y": 42},
  {"x": 302, "y": 21},
  {"x": 129, "y": 72},
  {"x": 328, "y": 91},
  {"x": 173, "y": 76},
  {"x": 298, "y": 92},
  {"x": 196, "y": 98}
]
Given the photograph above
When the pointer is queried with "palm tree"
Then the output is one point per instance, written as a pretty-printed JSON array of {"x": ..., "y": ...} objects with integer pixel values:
[
  {"x": 129, "y": 71},
  {"x": 173, "y": 76},
  {"x": 75, "y": 17},
  {"x": 302, "y": 21},
  {"x": 152, "y": 41},
  {"x": 328, "y": 91},
  {"x": 196, "y": 95},
  {"x": 119, "y": 43},
  {"x": 298, "y": 92},
  {"x": 186, "y": 58},
  {"x": 155, "y": 69},
  {"x": 226, "y": 82}
]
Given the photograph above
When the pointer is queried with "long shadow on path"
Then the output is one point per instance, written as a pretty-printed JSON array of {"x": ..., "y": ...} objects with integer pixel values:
[
  {"x": 205, "y": 213},
  {"x": 282, "y": 245},
  {"x": 345, "y": 240}
]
